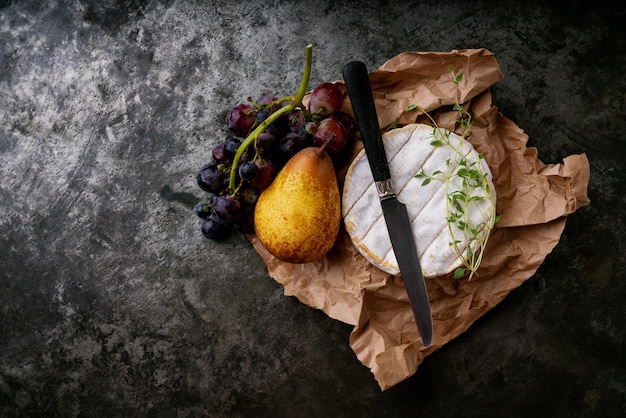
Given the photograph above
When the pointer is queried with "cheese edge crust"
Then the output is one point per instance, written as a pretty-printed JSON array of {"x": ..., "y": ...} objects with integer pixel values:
[{"x": 386, "y": 261}]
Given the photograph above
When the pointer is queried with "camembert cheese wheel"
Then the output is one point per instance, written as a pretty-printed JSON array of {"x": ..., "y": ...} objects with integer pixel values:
[{"x": 417, "y": 150}]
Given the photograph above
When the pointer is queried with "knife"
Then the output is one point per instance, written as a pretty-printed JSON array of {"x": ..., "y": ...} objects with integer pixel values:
[{"x": 396, "y": 217}]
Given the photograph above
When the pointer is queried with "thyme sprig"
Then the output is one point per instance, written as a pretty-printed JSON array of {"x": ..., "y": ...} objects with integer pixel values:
[{"x": 466, "y": 185}]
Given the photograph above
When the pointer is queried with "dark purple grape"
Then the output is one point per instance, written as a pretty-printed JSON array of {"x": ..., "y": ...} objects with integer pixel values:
[
  {"x": 240, "y": 119},
  {"x": 262, "y": 114},
  {"x": 248, "y": 170},
  {"x": 231, "y": 145},
  {"x": 292, "y": 143},
  {"x": 295, "y": 120},
  {"x": 204, "y": 209},
  {"x": 279, "y": 127},
  {"x": 215, "y": 229},
  {"x": 308, "y": 130},
  {"x": 266, "y": 174},
  {"x": 227, "y": 209},
  {"x": 249, "y": 196},
  {"x": 247, "y": 155},
  {"x": 266, "y": 143},
  {"x": 211, "y": 178}
]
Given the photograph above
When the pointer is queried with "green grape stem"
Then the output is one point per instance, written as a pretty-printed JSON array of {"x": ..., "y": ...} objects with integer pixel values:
[{"x": 296, "y": 101}]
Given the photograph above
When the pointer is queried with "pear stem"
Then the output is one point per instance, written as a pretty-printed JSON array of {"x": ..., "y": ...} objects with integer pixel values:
[{"x": 322, "y": 147}]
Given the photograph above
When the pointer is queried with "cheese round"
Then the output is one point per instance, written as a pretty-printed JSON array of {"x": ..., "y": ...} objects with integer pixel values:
[{"x": 411, "y": 150}]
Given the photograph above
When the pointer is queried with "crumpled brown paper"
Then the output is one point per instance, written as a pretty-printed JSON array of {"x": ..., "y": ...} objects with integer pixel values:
[{"x": 533, "y": 200}]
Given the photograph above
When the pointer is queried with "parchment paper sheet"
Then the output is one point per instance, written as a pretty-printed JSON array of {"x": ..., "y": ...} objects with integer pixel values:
[{"x": 533, "y": 200}]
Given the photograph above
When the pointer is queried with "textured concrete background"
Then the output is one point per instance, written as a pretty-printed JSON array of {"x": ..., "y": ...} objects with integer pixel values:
[{"x": 113, "y": 304}]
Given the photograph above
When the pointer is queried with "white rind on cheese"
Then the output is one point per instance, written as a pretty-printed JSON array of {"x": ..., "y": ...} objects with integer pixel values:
[{"x": 409, "y": 150}]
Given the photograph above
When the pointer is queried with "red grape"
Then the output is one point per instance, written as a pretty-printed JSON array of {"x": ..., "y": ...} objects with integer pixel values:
[
  {"x": 240, "y": 119},
  {"x": 326, "y": 99},
  {"x": 331, "y": 129},
  {"x": 348, "y": 122},
  {"x": 218, "y": 153}
]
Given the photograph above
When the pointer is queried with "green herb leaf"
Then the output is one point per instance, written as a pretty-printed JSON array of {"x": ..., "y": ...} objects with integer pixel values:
[
  {"x": 394, "y": 125},
  {"x": 458, "y": 273},
  {"x": 463, "y": 173},
  {"x": 465, "y": 182}
]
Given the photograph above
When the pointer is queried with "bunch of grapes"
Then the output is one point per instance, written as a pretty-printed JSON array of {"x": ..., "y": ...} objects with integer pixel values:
[{"x": 261, "y": 139}]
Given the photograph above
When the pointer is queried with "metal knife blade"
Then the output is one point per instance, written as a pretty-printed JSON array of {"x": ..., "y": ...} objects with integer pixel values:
[{"x": 359, "y": 88}]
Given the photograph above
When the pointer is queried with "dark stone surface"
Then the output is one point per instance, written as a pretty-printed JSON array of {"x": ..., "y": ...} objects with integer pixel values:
[{"x": 112, "y": 303}]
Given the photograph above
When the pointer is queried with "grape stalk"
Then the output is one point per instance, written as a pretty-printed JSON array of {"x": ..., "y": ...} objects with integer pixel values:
[{"x": 263, "y": 135}]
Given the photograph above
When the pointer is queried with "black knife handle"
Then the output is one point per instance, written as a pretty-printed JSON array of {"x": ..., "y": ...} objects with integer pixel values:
[{"x": 360, "y": 91}]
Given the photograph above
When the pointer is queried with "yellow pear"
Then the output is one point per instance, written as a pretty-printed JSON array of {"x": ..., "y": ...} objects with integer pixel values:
[{"x": 297, "y": 217}]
